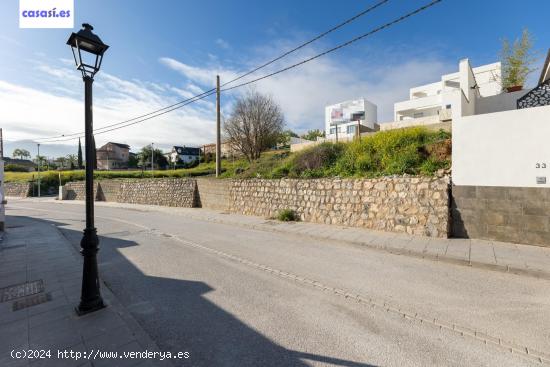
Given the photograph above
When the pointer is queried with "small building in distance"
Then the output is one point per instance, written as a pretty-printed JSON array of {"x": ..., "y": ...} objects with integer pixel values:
[
  {"x": 350, "y": 118},
  {"x": 226, "y": 149},
  {"x": 113, "y": 156},
  {"x": 26, "y": 163},
  {"x": 183, "y": 155}
]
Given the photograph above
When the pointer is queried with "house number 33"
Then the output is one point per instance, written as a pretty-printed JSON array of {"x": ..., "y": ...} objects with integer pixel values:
[{"x": 540, "y": 165}]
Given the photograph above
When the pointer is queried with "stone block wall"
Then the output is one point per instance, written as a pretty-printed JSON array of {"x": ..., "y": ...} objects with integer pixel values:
[
  {"x": 109, "y": 190},
  {"x": 214, "y": 193},
  {"x": 414, "y": 205},
  {"x": 178, "y": 192},
  {"x": 509, "y": 214},
  {"x": 77, "y": 190},
  {"x": 17, "y": 189}
]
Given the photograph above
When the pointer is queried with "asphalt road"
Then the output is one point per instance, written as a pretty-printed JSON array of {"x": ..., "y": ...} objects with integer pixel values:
[{"x": 232, "y": 296}]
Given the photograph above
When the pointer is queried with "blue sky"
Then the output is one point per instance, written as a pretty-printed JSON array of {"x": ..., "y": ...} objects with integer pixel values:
[{"x": 164, "y": 51}]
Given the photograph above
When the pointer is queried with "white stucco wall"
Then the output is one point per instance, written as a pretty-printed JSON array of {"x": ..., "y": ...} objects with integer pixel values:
[
  {"x": 502, "y": 148},
  {"x": 499, "y": 102}
]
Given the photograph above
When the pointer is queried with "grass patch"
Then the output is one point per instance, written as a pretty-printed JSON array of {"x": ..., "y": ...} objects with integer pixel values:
[
  {"x": 287, "y": 215},
  {"x": 415, "y": 151}
]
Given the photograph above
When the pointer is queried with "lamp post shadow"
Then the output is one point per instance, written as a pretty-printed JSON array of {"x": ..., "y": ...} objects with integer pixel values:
[{"x": 178, "y": 316}]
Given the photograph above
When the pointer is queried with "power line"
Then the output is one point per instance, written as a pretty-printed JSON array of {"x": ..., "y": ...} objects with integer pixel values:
[
  {"x": 132, "y": 119},
  {"x": 389, "y": 24},
  {"x": 141, "y": 120},
  {"x": 212, "y": 91},
  {"x": 366, "y": 11}
]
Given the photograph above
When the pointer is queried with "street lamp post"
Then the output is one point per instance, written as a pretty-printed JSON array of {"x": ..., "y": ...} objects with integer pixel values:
[
  {"x": 39, "y": 161},
  {"x": 152, "y": 160},
  {"x": 88, "y": 50}
]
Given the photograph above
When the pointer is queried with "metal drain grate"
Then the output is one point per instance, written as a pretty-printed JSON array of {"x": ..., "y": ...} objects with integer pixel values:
[
  {"x": 21, "y": 290},
  {"x": 31, "y": 301}
]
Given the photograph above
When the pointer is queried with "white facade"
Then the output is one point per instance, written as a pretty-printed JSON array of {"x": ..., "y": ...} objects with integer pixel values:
[
  {"x": 344, "y": 118},
  {"x": 453, "y": 95},
  {"x": 508, "y": 148},
  {"x": 183, "y": 154}
]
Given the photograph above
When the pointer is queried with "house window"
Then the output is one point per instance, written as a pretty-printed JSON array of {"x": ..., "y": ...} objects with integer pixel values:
[
  {"x": 448, "y": 106},
  {"x": 350, "y": 129},
  {"x": 332, "y": 130},
  {"x": 418, "y": 114}
]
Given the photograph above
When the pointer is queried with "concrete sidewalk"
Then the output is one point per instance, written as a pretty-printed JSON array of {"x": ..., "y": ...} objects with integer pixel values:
[
  {"x": 498, "y": 256},
  {"x": 40, "y": 276}
]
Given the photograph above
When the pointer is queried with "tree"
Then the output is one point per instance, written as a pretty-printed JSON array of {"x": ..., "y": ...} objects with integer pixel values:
[
  {"x": 61, "y": 162},
  {"x": 72, "y": 161},
  {"x": 255, "y": 125},
  {"x": 284, "y": 137},
  {"x": 145, "y": 157},
  {"x": 21, "y": 153},
  {"x": 517, "y": 60},
  {"x": 133, "y": 160},
  {"x": 313, "y": 134},
  {"x": 39, "y": 160},
  {"x": 79, "y": 159}
]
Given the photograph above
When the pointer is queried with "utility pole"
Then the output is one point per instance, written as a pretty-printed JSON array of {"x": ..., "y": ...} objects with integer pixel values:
[
  {"x": 38, "y": 169},
  {"x": 152, "y": 160},
  {"x": 1, "y": 144},
  {"x": 218, "y": 122}
]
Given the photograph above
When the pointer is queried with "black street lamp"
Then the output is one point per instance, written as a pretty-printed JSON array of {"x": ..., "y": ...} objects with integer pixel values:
[{"x": 88, "y": 50}]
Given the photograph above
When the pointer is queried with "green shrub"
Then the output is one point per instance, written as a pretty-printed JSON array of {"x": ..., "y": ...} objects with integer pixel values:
[
  {"x": 431, "y": 166},
  {"x": 15, "y": 168},
  {"x": 287, "y": 215}
]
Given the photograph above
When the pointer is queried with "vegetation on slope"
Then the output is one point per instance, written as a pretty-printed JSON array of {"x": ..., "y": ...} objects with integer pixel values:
[{"x": 415, "y": 151}]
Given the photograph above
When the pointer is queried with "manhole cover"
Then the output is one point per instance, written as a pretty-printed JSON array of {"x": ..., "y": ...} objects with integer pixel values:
[
  {"x": 31, "y": 301},
  {"x": 21, "y": 290}
]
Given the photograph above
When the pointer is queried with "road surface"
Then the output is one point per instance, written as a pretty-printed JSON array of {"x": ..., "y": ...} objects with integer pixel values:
[{"x": 232, "y": 296}]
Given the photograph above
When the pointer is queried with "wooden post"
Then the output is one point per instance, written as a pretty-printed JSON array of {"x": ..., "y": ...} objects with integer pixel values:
[{"x": 218, "y": 128}]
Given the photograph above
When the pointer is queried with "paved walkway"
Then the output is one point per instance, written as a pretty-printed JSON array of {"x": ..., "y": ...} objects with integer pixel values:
[
  {"x": 40, "y": 275},
  {"x": 499, "y": 256}
]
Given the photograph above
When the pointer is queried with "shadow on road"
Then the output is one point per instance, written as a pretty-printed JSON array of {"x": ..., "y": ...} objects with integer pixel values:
[{"x": 179, "y": 318}]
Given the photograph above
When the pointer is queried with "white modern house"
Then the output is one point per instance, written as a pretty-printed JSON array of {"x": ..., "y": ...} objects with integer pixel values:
[
  {"x": 470, "y": 91},
  {"x": 346, "y": 119},
  {"x": 183, "y": 154}
]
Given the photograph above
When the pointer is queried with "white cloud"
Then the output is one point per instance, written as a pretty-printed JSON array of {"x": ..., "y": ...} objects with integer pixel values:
[
  {"x": 223, "y": 44},
  {"x": 304, "y": 91},
  {"x": 29, "y": 113},
  {"x": 56, "y": 105}
]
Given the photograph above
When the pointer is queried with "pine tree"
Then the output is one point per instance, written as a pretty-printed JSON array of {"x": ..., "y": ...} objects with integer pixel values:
[{"x": 80, "y": 165}]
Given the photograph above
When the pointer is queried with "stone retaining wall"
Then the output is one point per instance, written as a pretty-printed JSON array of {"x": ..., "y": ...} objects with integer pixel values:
[
  {"x": 214, "y": 194},
  {"x": 77, "y": 190},
  {"x": 17, "y": 189},
  {"x": 414, "y": 205},
  {"x": 509, "y": 214},
  {"x": 180, "y": 192}
]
